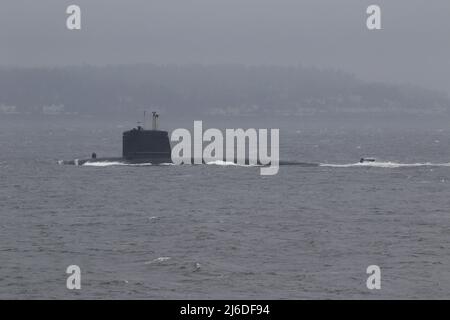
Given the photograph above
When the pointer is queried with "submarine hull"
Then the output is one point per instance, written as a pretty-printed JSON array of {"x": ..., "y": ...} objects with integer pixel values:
[
  {"x": 156, "y": 161},
  {"x": 80, "y": 162}
]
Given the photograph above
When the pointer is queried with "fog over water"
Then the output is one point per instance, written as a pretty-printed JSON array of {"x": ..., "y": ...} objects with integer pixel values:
[{"x": 412, "y": 47}]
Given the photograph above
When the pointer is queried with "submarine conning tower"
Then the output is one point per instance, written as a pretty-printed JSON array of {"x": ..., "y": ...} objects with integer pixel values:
[{"x": 144, "y": 145}]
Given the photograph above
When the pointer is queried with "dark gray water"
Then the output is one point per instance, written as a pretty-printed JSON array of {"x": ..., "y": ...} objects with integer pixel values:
[{"x": 221, "y": 231}]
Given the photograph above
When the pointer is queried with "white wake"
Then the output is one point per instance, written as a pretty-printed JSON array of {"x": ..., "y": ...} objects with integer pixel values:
[
  {"x": 387, "y": 164},
  {"x": 113, "y": 163}
]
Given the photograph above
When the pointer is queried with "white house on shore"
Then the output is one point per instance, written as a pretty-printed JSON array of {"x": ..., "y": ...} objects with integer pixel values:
[
  {"x": 8, "y": 109},
  {"x": 53, "y": 109}
]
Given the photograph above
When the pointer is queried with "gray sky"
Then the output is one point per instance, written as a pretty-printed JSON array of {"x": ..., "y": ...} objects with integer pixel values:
[{"x": 413, "y": 47}]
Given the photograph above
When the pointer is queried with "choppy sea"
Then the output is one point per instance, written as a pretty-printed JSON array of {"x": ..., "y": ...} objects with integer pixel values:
[{"x": 221, "y": 231}]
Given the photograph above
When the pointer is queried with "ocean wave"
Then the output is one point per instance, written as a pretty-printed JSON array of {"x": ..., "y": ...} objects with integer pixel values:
[
  {"x": 387, "y": 164},
  {"x": 158, "y": 260}
]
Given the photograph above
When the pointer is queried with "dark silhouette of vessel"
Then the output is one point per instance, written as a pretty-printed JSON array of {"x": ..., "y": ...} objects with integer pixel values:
[
  {"x": 138, "y": 146},
  {"x": 142, "y": 146}
]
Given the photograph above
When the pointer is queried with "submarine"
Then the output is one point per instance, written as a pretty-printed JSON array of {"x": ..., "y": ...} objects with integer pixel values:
[
  {"x": 142, "y": 146},
  {"x": 139, "y": 145}
]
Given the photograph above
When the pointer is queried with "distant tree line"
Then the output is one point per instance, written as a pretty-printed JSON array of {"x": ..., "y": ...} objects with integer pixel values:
[{"x": 198, "y": 89}]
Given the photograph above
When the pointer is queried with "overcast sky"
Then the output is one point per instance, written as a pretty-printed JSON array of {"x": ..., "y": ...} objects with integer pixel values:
[{"x": 413, "y": 47}]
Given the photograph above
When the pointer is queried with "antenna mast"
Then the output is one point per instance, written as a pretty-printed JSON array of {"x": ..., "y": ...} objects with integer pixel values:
[
  {"x": 155, "y": 121},
  {"x": 145, "y": 119}
]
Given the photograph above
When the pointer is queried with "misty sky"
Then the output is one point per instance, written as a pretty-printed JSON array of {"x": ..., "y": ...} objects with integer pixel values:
[{"x": 413, "y": 47}]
